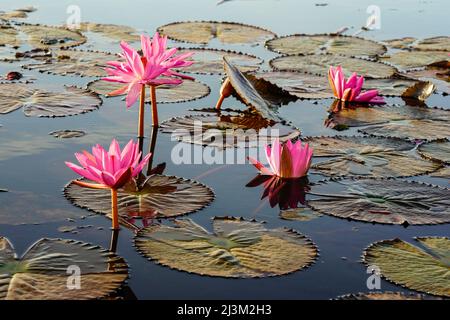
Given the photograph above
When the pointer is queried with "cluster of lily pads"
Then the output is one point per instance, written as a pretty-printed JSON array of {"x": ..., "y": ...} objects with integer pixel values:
[{"x": 362, "y": 171}]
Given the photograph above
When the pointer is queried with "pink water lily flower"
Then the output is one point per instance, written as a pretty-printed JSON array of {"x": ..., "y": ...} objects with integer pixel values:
[
  {"x": 350, "y": 90},
  {"x": 288, "y": 160},
  {"x": 112, "y": 168}
]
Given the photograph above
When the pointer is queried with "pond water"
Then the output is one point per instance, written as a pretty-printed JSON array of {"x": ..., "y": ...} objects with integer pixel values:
[{"x": 32, "y": 161}]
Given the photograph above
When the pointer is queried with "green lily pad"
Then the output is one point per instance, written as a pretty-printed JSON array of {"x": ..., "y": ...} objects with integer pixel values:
[
  {"x": 43, "y": 271},
  {"x": 325, "y": 43},
  {"x": 75, "y": 62},
  {"x": 40, "y": 36},
  {"x": 385, "y": 201},
  {"x": 187, "y": 91},
  {"x": 205, "y": 31},
  {"x": 235, "y": 249},
  {"x": 245, "y": 129},
  {"x": 405, "y": 60},
  {"x": 386, "y": 295},
  {"x": 67, "y": 134},
  {"x": 367, "y": 156},
  {"x": 158, "y": 196},
  {"x": 422, "y": 268},
  {"x": 320, "y": 63}
]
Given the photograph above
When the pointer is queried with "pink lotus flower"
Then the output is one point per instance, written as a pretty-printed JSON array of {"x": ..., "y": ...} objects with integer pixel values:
[
  {"x": 350, "y": 90},
  {"x": 112, "y": 168},
  {"x": 286, "y": 161}
]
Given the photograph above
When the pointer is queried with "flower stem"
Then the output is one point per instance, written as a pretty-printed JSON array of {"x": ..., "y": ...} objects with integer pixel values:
[
  {"x": 141, "y": 114},
  {"x": 114, "y": 210},
  {"x": 219, "y": 102},
  {"x": 154, "y": 106}
]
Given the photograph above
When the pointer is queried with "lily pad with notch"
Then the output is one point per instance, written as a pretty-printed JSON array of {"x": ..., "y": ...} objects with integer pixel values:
[{"x": 41, "y": 36}]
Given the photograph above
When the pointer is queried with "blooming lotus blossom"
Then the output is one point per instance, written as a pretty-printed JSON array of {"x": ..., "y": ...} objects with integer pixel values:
[
  {"x": 350, "y": 90},
  {"x": 289, "y": 160},
  {"x": 112, "y": 168}
]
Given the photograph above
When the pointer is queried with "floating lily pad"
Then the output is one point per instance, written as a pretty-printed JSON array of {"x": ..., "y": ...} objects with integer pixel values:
[
  {"x": 40, "y": 36},
  {"x": 67, "y": 134},
  {"x": 401, "y": 43},
  {"x": 210, "y": 61},
  {"x": 383, "y": 201},
  {"x": 324, "y": 43},
  {"x": 245, "y": 129},
  {"x": 159, "y": 196},
  {"x": 111, "y": 31},
  {"x": 406, "y": 60},
  {"x": 386, "y": 295},
  {"x": 9, "y": 36},
  {"x": 42, "y": 272},
  {"x": 422, "y": 268},
  {"x": 437, "y": 150},
  {"x": 20, "y": 13},
  {"x": 187, "y": 91},
  {"x": 299, "y": 214},
  {"x": 75, "y": 62},
  {"x": 235, "y": 249},
  {"x": 439, "y": 76},
  {"x": 441, "y": 43},
  {"x": 443, "y": 173},
  {"x": 320, "y": 63},
  {"x": 367, "y": 156},
  {"x": 205, "y": 31},
  {"x": 13, "y": 96}
]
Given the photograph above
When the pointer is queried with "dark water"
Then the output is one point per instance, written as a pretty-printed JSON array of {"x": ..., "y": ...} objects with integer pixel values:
[{"x": 32, "y": 162}]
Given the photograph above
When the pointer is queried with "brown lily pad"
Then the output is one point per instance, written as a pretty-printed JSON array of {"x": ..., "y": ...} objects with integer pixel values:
[
  {"x": 235, "y": 249},
  {"x": 436, "y": 150},
  {"x": 112, "y": 31},
  {"x": 227, "y": 129},
  {"x": 386, "y": 201},
  {"x": 187, "y": 91},
  {"x": 443, "y": 173},
  {"x": 299, "y": 214},
  {"x": 405, "y": 60},
  {"x": 40, "y": 36},
  {"x": 43, "y": 271},
  {"x": 441, "y": 43},
  {"x": 386, "y": 295},
  {"x": 320, "y": 63},
  {"x": 67, "y": 134},
  {"x": 422, "y": 267},
  {"x": 75, "y": 62},
  {"x": 439, "y": 76},
  {"x": 205, "y": 31},
  {"x": 158, "y": 196},
  {"x": 325, "y": 43},
  {"x": 9, "y": 36},
  {"x": 367, "y": 156},
  {"x": 401, "y": 43}
]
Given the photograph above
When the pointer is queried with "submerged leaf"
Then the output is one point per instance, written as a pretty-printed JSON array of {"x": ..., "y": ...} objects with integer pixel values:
[
  {"x": 205, "y": 31},
  {"x": 187, "y": 91},
  {"x": 40, "y": 36},
  {"x": 159, "y": 196},
  {"x": 42, "y": 272},
  {"x": 437, "y": 150},
  {"x": 367, "y": 156},
  {"x": 319, "y": 64},
  {"x": 422, "y": 268},
  {"x": 324, "y": 43},
  {"x": 67, "y": 134},
  {"x": 383, "y": 201},
  {"x": 236, "y": 249}
]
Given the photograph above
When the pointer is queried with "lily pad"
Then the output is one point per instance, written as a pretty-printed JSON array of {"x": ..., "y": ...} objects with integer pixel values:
[
  {"x": 41, "y": 273},
  {"x": 422, "y": 267},
  {"x": 67, "y": 134},
  {"x": 325, "y": 43},
  {"x": 401, "y": 43},
  {"x": 187, "y": 91},
  {"x": 210, "y": 61},
  {"x": 9, "y": 36},
  {"x": 439, "y": 76},
  {"x": 20, "y": 13},
  {"x": 299, "y": 214},
  {"x": 75, "y": 62},
  {"x": 40, "y": 36},
  {"x": 158, "y": 196},
  {"x": 386, "y": 295},
  {"x": 205, "y": 31},
  {"x": 441, "y": 43},
  {"x": 320, "y": 63},
  {"x": 227, "y": 129},
  {"x": 112, "y": 31},
  {"x": 367, "y": 156},
  {"x": 385, "y": 201},
  {"x": 406, "y": 60},
  {"x": 443, "y": 173},
  {"x": 235, "y": 249},
  {"x": 437, "y": 150}
]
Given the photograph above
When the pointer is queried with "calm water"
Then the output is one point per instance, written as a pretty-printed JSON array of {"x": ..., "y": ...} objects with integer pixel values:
[{"x": 32, "y": 162}]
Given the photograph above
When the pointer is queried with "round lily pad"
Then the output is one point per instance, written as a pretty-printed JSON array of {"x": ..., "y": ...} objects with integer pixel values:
[
  {"x": 158, "y": 196},
  {"x": 210, "y": 61},
  {"x": 112, "y": 31},
  {"x": 386, "y": 295},
  {"x": 367, "y": 156},
  {"x": 205, "y": 31},
  {"x": 9, "y": 36},
  {"x": 40, "y": 36},
  {"x": 43, "y": 271},
  {"x": 75, "y": 62},
  {"x": 436, "y": 150},
  {"x": 235, "y": 249},
  {"x": 187, "y": 91},
  {"x": 405, "y": 60},
  {"x": 422, "y": 267},
  {"x": 441, "y": 43},
  {"x": 320, "y": 63},
  {"x": 324, "y": 43},
  {"x": 67, "y": 134},
  {"x": 227, "y": 129},
  {"x": 385, "y": 201}
]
